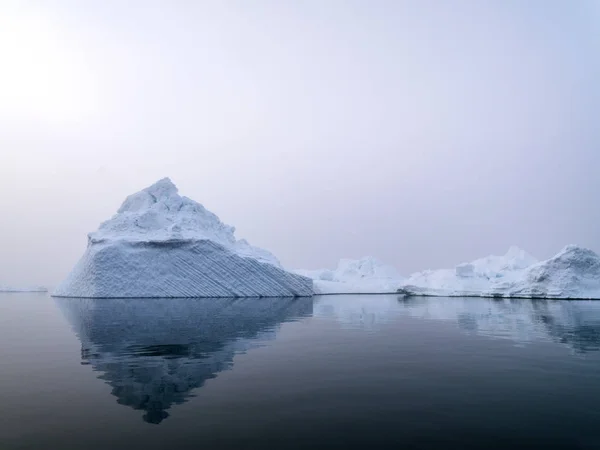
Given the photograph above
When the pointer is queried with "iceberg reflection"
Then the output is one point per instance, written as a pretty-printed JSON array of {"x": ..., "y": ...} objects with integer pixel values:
[
  {"x": 154, "y": 352},
  {"x": 575, "y": 323}
]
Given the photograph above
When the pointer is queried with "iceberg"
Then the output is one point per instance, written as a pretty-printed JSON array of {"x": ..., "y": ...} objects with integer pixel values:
[
  {"x": 574, "y": 273},
  {"x": 362, "y": 276},
  {"x": 23, "y": 289},
  {"x": 470, "y": 279},
  {"x": 160, "y": 244}
]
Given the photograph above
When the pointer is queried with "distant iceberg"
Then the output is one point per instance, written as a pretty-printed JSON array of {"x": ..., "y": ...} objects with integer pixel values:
[
  {"x": 23, "y": 289},
  {"x": 470, "y": 279},
  {"x": 160, "y": 244},
  {"x": 573, "y": 273},
  {"x": 361, "y": 276}
]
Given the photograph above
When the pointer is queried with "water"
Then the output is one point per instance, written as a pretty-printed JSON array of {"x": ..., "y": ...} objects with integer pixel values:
[{"x": 329, "y": 372}]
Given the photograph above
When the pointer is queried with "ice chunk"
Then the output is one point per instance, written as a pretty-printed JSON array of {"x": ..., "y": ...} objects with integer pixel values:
[{"x": 160, "y": 244}]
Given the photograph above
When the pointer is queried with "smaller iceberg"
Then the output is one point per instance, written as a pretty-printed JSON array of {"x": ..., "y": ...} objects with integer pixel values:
[
  {"x": 23, "y": 289},
  {"x": 574, "y": 273},
  {"x": 361, "y": 276},
  {"x": 469, "y": 279}
]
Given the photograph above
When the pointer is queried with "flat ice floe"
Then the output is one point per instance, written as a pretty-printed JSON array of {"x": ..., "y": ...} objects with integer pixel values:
[
  {"x": 160, "y": 244},
  {"x": 23, "y": 289}
]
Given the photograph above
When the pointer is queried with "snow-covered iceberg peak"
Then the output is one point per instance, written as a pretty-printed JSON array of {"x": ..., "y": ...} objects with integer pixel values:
[
  {"x": 160, "y": 244},
  {"x": 158, "y": 213}
]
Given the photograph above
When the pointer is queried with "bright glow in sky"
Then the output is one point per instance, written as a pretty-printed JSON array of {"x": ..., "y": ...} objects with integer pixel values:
[{"x": 41, "y": 77}]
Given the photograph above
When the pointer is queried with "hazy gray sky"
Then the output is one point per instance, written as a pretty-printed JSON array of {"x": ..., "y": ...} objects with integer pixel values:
[{"x": 424, "y": 133}]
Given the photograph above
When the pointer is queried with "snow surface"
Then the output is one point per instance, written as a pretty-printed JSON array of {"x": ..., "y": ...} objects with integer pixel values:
[
  {"x": 160, "y": 244},
  {"x": 363, "y": 276},
  {"x": 23, "y": 289}
]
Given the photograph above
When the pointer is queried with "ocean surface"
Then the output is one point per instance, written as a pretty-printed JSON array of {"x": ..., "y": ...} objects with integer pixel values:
[{"x": 328, "y": 372}]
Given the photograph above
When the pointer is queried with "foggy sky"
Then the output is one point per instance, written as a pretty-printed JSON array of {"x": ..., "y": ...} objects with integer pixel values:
[{"x": 425, "y": 133}]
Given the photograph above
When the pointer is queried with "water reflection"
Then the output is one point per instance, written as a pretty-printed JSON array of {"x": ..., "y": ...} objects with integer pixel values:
[
  {"x": 154, "y": 352},
  {"x": 574, "y": 323}
]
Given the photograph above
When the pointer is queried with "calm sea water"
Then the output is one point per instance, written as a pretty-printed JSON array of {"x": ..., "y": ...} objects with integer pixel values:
[{"x": 329, "y": 372}]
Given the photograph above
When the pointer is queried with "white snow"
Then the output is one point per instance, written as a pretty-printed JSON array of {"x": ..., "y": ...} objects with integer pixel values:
[
  {"x": 160, "y": 244},
  {"x": 470, "y": 279},
  {"x": 363, "y": 276}
]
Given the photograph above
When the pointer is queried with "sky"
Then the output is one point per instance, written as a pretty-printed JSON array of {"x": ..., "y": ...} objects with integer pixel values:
[{"x": 424, "y": 133}]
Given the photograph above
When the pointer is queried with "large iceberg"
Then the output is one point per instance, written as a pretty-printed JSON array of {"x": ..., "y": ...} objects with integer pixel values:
[
  {"x": 160, "y": 244},
  {"x": 361, "y": 276},
  {"x": 470, "y": 279},
  {"x": 573, "y": 273}
]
